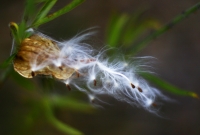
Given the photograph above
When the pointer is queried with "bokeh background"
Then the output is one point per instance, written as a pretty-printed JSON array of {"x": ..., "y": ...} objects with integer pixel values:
[{"x": 178, "y": 62}]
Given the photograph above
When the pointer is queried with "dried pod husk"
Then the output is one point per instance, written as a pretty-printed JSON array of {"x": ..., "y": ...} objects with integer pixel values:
[{"x": 35, "y": 55}]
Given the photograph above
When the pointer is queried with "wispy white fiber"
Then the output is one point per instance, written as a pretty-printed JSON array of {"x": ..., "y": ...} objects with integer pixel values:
[{"x": 99, "y": 74}]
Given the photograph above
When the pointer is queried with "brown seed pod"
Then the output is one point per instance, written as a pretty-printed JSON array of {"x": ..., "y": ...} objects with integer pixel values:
[{"x": 39, "y": 51}]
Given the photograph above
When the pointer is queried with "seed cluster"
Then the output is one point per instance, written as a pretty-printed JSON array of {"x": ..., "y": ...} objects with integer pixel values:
[{"x": 76, "y": 64}]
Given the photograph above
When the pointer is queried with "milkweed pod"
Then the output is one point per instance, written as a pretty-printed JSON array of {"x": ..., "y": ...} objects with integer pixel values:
[{"x": 35, "y": 56}]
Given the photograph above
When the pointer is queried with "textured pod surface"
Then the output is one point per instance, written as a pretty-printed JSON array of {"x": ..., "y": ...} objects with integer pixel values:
[{"x": 36, "y": 55}]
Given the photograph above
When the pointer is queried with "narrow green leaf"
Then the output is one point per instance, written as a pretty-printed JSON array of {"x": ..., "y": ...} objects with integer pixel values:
[
  {"x": 5, "y": 74},
  {"x": 115, "y": 29},
  {"x": 134, "y": 31},
  {"x": 60, "y": 12},
  {"x": 22, "y": 31},
  {"x": 45, "y": 10},
  {"x": 57, "y": 123},
  {"x": 7, "y": 62},
  {"x": 110, "y": 27},
  {"x": 168, "y": 87},
  {"x": 30, "y": 10},
  {"x": 14, "y": 28},
  {"x": 131, "y": 27},
  {"x": 19, "y": 32},
  {"x": 70, "y": 103}
]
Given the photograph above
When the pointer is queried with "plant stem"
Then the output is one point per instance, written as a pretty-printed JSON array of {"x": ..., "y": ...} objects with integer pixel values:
[{"x": 165, "y": 28}]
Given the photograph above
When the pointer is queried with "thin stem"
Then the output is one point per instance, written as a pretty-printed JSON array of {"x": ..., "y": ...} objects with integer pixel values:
[{"x": 165, "y": 28}]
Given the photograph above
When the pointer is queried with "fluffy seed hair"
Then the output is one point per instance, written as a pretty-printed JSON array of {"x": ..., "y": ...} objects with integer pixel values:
[{"x": 77, "y": 64}]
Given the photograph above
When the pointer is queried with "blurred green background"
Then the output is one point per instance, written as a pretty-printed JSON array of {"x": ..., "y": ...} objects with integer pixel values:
[{"x": 178, "y": 62}]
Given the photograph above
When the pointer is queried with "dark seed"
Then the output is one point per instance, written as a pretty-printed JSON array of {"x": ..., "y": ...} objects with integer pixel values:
[
  {"x": 140, "y": 90},
  {"x": 33, "y": 74},
  {"x": 154, "y": 104},
  {"x": 133, "y": 86},
  {"x": 68, "y": 87},
  {"x": 78, "y": 75},
  {"x": 60, "y": 68},
  {"x": 95, "y": 83}
]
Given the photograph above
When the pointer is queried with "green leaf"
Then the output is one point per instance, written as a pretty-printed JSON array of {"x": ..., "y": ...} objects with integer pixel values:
[
  {"x": 135, "y": 31},
  {"x": 57, "y": 123},
  {"x": 7, "y": 68},
  {"x": 44, "y": 10},
  {"x": 60, "y": 12},
  {"x": 168, "y": 87},
  {"x": 125, "y": 29},
  {"x": 22, "y": 31},
  {"x": 14, "y": 28},
  {"x": 131, "y": 28},
  {"x": 115, "y": 29},
  {"x": 71, "y": 103},
  {"x": 30, "y": 10},
  {"x": 7, "y": 62},
  {"x": 5, "y": 74}
]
